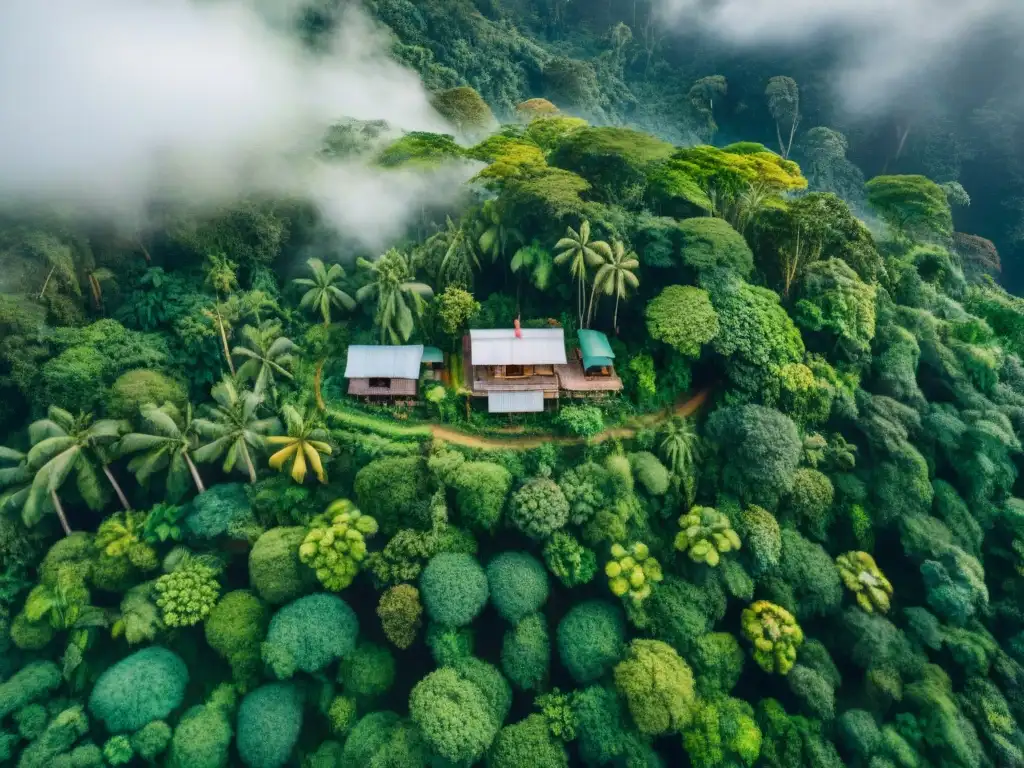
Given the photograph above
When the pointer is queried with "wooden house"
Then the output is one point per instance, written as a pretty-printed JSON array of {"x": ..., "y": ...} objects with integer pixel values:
[
  {"x": 384, "y": 371},
  {"x": 514, "y": 368}
]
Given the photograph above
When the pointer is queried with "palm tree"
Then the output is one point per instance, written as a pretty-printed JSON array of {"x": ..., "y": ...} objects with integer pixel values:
[
  {"x": 15, "y": 481},
  {"x": 268, "y": 355},
  {"x": 63, "y": 445},
  {"x": 680, "y": 445},
  {"x": 304, "y": 442},
  {"x": 96, "y": 277},
  {"x": 399, "y": 297},
  {"x": 460, "y": 257},
  {"x": 323, "y": 291},
  {"x": 222, "y": 275},
  {"x": 233, "y": 429},
  {"x": 169, "y": 442},
  {"x": 495, "y": 235},
  {"x": 578, "y": 251},
  {"x": 616, "y": 277},
  {"x": 536, "y": 262}
]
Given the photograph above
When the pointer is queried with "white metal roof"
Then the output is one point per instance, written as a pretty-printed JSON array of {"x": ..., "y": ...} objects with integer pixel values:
[
  {"x": 515, "y": 402},
  {"x": 499, "y": 346},
  {"x": 384, "y": 361}
]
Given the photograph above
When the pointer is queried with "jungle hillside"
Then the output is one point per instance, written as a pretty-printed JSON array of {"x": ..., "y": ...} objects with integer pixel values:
[{"x": 507, "y": 383}]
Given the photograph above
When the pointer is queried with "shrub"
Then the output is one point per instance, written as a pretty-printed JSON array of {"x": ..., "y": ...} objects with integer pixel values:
[
  {"x": 341, "y": 715},
  {"x": 590, "y": 639},
  {"x": 482, "y": 488},
  {"x": 454, "y": 715},
  {"x": 454, "y": 589},
  {"x": 526, "y": 653},
  {"x": 368, "y": 671},
  {"x": 862, "y": 576},
  {"x": 400, "y": 613},
  {"x": 774, "y": 634},
  {"x": 518, "y": 585},
  {"x": 383, "y": 739},
  {"x": 187, "y": 595},
  {"x": 581, "y": 420},
  {"x": 146, "y": 685},
  {"x": 632, "y": 571},
  {"x": 118, "y": 750},
  {"x": 571, "y": 562},
  {"x": 309, "y": 634},
  {"x": 389, "y": 489},
  {"x": 275, "y": 571},
  {"x": 269, "y": 721},
  {"x": 450, "y": 645},
  {"x": 539, "y": 508},
  {"x": 650, "y": 472},
  {"x": 235, "y": 628},
  {"x": 717, "y": 659},
  {"x": 657, "y": 686},
  {"x": 527, "y": 743},
  {"x": 201, "y": 740},
  {"x": 133, "y": 389},
  {"x": 218, "y": 511},
  {"x": 151, "y": 740},
  {"x": 682, "y": 317},
  {"x": 706, "y": 532},
  {"x": 33, "y": 681},
  {"x": 335, "y": 545}
]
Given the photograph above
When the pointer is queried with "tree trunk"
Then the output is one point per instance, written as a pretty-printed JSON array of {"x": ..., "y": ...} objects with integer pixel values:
[
  {"x": 792, "y": 135},
  {"x": 248, "y": 463},
  {"x": 224, "y": 343},
  {"x": 317, "y": 380},
  {"x": 117, "y": 489},
  {"x": 60, "y": 512},
  {"x": 195, "y": 474},
  {"x": 590, "y": 309},
  {"x": 778, "y": 135},
  {"x": 46, "y": 282},
  {"x": 615, "y": 319}
]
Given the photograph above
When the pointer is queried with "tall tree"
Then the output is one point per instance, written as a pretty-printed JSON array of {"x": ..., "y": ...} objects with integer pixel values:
[
  {"x": 267, "y": 355},
  {"x": 460, "y": 258},
  {"x": 534, "y": 261},
  {"x": 222, "y": 276},
  {"x": 399, "y": 297},
  {"x": 302, "y": 445},
  {"x": 679, "y": 445},
  {"x": 64, "y": 445},
  {"x": 578, "y": 251},
  {"x": 703, "y": 96},
  {"x": 496, "y": 236},
  {"x": 914, "y": 207},
  {"x": 784, "y": 103},
  {"x": 323, "y": 292},
  {"x": 233, "y": 429},
  {"x": 616, "y": 277},
  {"x": 169, "y": 442}
]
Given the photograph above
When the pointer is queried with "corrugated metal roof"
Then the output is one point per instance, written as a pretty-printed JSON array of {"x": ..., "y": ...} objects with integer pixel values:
[
  {"x": 499, "y": 346},
  {"x": 515, "y": 402},
  {"x": 594, "y": 344},
  {"x": 394, "y": 362},
  {"x": 432, "y": 355}
]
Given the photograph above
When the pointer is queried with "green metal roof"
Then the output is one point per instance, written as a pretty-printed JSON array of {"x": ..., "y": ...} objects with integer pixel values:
[
  {"x": 384, "y": 361},
  {"x": 432, "y": 355},
  {"x": 597, "y": 352}
]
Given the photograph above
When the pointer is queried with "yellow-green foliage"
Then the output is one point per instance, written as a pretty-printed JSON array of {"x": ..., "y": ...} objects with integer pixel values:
[
  {"x": 864, "y": 578},
  {"x": 336, "y": 544},
  {"x": 401, "y": 614},
  {"x": 774, "y": 634},
  {"x": 657, "y": 686},
  {"x": 705, "y": 533},
  {"x": 120, "y": 535},
  {"x": 186, "y": 596},
  {"x": 632, "y": 571}
]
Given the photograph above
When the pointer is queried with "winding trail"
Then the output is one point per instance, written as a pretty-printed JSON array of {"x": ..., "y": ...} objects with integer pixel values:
[{"x": 526, "y": 442}]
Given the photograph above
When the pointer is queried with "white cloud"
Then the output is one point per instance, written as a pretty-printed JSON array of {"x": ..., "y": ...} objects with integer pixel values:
[
  {"x": 108, "y": 105},
  {"x": 885, "y": 48}
]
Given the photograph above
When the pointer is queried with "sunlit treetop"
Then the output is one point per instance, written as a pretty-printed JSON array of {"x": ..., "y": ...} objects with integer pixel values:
[{"x": 420, "y": 148}]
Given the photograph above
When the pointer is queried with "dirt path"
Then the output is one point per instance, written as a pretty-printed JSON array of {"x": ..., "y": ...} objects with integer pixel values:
[{"x": 526, "y": 442}]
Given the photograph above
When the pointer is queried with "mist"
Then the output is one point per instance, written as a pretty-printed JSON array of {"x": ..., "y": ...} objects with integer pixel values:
[
  {"x": 110, "y": 106},
  {"x": 886, "y": 51}
]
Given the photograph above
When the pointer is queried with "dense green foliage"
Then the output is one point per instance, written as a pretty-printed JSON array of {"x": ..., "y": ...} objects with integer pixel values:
[{"x": 794, "y": 538}]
